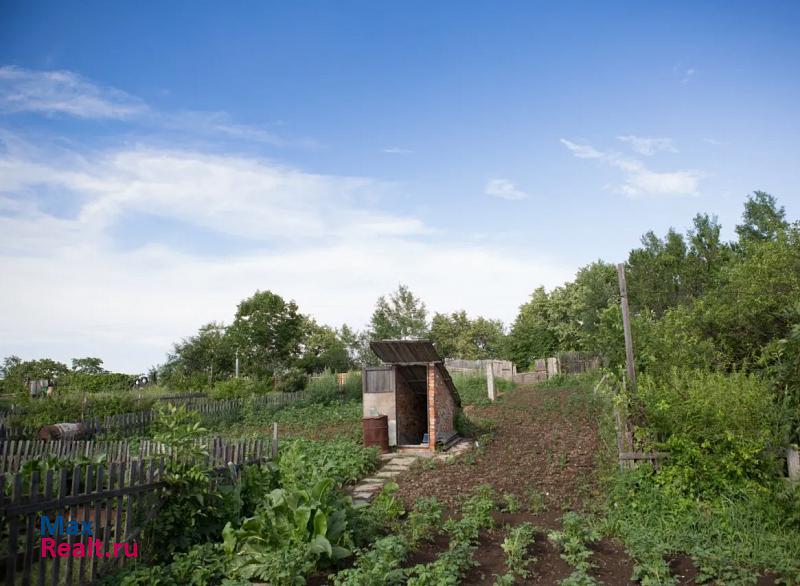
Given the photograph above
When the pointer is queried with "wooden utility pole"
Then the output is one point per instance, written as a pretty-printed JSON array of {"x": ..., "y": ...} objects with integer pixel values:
[{"x": 626, "y": 326}]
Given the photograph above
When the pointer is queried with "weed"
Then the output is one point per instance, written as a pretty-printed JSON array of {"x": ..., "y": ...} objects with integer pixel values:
[{"x": 511, "y": 503}]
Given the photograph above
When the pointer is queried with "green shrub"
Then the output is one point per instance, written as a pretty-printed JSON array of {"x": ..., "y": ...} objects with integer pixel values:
[
  {"x": 323, "y": 388},
  {"x": 238, "y": 388},
  {"x": 291, "y": 380},
  {"x": 70, "y": 407},
  {"x": 719, "y": 428},
  {"x": 302, "y": 460}
]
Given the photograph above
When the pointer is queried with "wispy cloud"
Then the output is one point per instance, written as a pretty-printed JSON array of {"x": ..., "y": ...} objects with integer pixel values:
[
  {"x": 688, "y": 74},
  {"x": 65, "y": 93},
  {"x": 397, "y": 151},
  {"x": 582, "y": 151},
  {"x": 296, "y": 233},
  {"x": 638, "y": 179},
  {"x": 504, "y": 189},
  {"x": 648, "y": 146},
  {"x": 715, "y": 142}
]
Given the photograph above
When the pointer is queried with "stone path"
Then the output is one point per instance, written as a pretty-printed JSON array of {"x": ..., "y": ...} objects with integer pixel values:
[{"x": 395, "y": 464}]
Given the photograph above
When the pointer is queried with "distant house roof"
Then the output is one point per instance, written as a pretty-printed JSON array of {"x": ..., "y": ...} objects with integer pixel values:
[{"x": 412, "y": 354}]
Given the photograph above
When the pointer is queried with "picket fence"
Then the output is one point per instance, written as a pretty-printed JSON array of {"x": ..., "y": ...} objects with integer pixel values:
[
  {"x": 118, "y": 498},
  {"x": 137, "y": 423},
  {"x": 15, "y": 453}
]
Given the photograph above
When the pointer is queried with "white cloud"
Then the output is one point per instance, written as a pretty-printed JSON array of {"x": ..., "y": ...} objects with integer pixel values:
[
  {"x": 638, "y": 179},
  {"x": 397, "y": 151},
  {"x": 648, "y": 146},
  {"x": 582, "y": 151},
  {"x": 78, "y": 289},
  {"x": 504, "y": 189},
  {"x": 715, "y": 142},
  {"x": 688, "y": 74},
  {"x": 63, "y": 92}
]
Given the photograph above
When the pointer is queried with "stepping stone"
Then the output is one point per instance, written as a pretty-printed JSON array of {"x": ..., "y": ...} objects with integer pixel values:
[
  {"x": 373, "y": 480},
  {"x": 363, "y": 496},
  {"x": 388, "y": 473},
  {"x": 368, "y": 487},
  {"x": 360, "y": 501},
  {"x": 393, "y": 466}
]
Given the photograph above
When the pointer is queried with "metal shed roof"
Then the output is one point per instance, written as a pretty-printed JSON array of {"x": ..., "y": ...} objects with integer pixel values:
[
  {"x": 405, "y": 351},
  {"x": 412, "y": 353}
]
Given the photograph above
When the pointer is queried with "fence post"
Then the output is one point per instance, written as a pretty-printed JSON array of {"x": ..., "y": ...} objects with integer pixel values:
[
  {"x": 490, "y": 381},
  {"x": 274, "y": 440},
  {"x": 626, "y": 326},
  {"x": 793, "y": 462}
]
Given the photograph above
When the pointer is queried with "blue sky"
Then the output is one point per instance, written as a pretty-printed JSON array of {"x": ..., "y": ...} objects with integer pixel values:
[{"x": 161, "y": 161}]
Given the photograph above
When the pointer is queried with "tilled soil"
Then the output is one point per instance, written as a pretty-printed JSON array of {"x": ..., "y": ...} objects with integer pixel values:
[{"x": 543, "y": 449}]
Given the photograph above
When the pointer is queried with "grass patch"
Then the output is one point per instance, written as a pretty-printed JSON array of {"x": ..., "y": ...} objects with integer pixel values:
[
  {"x": 731, "y": 538},
  {"x": 473, "y": 390}
]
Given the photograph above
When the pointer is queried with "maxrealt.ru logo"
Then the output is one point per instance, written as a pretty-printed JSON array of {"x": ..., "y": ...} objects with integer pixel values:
[{"x": 92, "y": 548}]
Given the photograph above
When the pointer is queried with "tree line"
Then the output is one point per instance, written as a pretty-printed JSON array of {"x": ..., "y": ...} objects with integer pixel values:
[{"x": 696, "y": 301}]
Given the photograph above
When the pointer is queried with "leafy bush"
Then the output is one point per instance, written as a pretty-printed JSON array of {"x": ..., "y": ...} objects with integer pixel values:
[
  {"x": 717, "y": 427},
  {"x": 292, "y": 530},
  {"x": 291, "y": 380},
  {"x": 95, "y": 383},
  {"x": 323, "y": 388},
  {"x": 70, "y": 407},
  {"x": 238, "y": 388},
  {"x": 342, "y": 460}
]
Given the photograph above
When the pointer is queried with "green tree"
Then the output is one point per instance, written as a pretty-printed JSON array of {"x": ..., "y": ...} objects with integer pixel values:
[
  {"x": 531, "y": 334},
  {"x": 457, "y": 336},
  {"x": 762, "y": 219},
  {"x": 402, "y": 316},
  {"x": 269, "y": 333},
  {"x": 88, "y": 365},
  {"x": 323, "y": 349},
  {"x": 206, "y": 357}
]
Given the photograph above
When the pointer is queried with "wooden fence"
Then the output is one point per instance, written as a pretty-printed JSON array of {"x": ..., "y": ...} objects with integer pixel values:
[
  {"x": 137, "y": 423},
  {"x": 15, "y": 453},
  {"x": 500, "y": 368},
  {"x": 117, "y": 499},
  {"x": 565, "y": 363}
]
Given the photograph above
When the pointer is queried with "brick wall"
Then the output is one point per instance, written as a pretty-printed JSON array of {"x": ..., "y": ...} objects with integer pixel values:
[{"x": 445, "y": 405}]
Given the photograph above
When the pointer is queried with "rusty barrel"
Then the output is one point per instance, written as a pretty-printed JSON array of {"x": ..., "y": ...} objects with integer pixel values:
[{"x": 376, "y": 432}]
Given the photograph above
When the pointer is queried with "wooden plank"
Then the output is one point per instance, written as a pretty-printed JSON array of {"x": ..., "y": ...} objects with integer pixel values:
[
  {"x": 30, "y": 529},
  {"x": 48, "y": 494},
  {"x": 643, "y": 455},
  {"x": 62, "y": 489},
  {"x": 73, "y": 513}
]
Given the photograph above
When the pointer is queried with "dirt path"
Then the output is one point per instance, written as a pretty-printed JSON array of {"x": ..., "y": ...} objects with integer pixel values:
[{"x": 543, "y": 450}]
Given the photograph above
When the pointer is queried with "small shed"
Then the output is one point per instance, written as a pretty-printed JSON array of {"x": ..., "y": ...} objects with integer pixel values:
[{"x": 415, "y": 391}]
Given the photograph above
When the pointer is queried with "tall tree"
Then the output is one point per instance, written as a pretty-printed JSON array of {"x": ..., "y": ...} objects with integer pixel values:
[
  {"x": 269, "y": 333},
  {"x": 457, "y": 336},
  {"x": 762, "y": 219},
  {"x": 323, "y": 349},
  {"x": 402, "y": 316},
  {"x": 88, "y": 365},
  {"x": 531, "y": 334}
]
